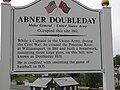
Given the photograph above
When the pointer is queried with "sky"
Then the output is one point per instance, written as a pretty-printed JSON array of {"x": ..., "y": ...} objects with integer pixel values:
[{"x": 95, "y": 4}]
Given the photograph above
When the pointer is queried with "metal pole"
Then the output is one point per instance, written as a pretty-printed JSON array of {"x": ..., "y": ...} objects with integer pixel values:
[{"x": 5, "y": 47}]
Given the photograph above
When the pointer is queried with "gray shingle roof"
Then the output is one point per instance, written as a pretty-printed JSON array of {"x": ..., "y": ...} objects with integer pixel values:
[
  {"x": 41, "y": 82},
  {"x": 65, "y": 81}
]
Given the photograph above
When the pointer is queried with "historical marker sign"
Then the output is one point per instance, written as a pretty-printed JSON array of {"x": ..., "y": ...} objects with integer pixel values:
[{"x": 55, "y": 36}]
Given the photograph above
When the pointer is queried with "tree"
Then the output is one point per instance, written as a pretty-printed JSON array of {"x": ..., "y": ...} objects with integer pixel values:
[
  {"x": 83, "y": 80},
  {"x": 94, "y": 79},
  {"x": 116, "y": 60},
  {"x": 91, "y": 79}
]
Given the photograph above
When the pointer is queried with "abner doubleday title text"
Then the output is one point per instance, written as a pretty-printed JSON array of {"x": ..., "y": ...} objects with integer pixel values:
[{"x": 75, "y": 20}]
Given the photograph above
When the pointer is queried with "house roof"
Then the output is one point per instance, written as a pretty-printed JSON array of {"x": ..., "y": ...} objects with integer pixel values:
[
  {"x": 65, "y": 81},
  {"x": 41, "y": 82}
]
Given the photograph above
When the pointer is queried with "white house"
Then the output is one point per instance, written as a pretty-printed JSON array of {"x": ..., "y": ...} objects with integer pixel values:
[{"x": 64, "y": 83}]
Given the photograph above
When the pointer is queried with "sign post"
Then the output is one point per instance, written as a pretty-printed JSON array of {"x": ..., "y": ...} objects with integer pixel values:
[
  {"x": 5, "y": 47},
  {"x": 56, "y": 37},
  {"x": 108, "y": 76}
]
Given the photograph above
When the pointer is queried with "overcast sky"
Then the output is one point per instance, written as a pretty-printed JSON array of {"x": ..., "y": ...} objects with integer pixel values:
[{"x": 95, "y": 4}]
